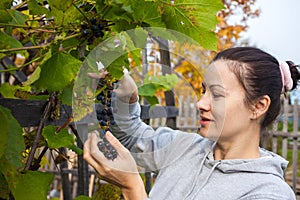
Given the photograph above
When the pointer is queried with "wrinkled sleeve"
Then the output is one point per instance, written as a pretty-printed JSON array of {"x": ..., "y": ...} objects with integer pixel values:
[{"x": 152, "y": 149}]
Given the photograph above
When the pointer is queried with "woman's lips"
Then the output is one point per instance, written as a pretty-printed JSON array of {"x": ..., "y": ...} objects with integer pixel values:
[{"x": 204, "y": 120}]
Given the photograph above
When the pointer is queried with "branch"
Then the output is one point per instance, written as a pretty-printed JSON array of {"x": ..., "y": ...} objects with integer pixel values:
[
  {"x": 36, "y": 164},
  {"x": 44, "y": 118},
  {"x": 24, "y": 48}
]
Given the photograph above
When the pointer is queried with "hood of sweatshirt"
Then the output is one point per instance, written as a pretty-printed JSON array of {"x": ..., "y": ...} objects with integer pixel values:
[{"x": 268, "y": 163}]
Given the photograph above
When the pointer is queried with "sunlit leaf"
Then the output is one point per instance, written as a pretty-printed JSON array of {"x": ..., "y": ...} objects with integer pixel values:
[
  {"x": 57, "y": 140},
  {"x": 58, "y": 72}
]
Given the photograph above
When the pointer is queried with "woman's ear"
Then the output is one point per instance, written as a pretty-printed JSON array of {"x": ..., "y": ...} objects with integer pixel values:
[{"x": 260, "y": 107}]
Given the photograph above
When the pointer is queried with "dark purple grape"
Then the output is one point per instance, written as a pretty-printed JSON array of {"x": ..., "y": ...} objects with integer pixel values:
[
  {"x": 98, "y": 34},
  {"x": 85, "y": 32},
  {"x": 93, "y": 21},
  {"x": 101, "y": 146},
  {"x": 101, "y": 26},
  {"x": 103, "y": 123}
]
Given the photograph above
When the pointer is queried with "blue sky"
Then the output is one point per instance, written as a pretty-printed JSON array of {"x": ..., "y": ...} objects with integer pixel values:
[{"x": 277, "y": 29}]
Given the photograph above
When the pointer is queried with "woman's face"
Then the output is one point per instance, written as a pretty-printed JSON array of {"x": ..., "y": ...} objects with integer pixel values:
[{"x": 223, "y": 111}]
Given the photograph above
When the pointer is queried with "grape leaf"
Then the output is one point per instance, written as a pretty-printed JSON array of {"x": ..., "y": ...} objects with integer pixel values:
[
  {"x": 145, "y": 13},
  {"x": 32, "y": 185},
  {"x": 60, "y": 5},
  {"x": 4, "y": 17},
  {"x": 36, "y": 9},
  {"x": 152, "y": 100},
  {"x": 197, "y": 19},
  {"x": 64, "y": 13},
  {"x": 33, "y": 77},
  {"x": 66, "y": 96},
  {"x": 57, "y": 140},
  {"x": 4, "y": 131},
  {"x": 8, "y": 41},
  {"x": 148, "y": 89},
  {"x": 57, "y": 72},
  {"x": 5, "y": 4},
  {"x": 4, "y": 189},
  {"x": 17, "y": 17},
  {"x": 9, "y": 91},
  {"x": 14, "y": 142},
  {"x": 61, "y": 139}
]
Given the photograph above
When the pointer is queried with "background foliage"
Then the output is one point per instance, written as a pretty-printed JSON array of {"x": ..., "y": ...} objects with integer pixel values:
[{"x": 48, "y": 42}]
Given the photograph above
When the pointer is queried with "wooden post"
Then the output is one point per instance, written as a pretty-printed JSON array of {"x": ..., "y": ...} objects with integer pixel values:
[
  {"x": 166, "y": 69},
  {"x": 66, "y": 186},
  {"x": 83, "y": 173}
]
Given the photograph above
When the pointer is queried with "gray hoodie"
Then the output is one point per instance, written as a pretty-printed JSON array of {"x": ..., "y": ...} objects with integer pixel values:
[{"x": 186, "y": 168}]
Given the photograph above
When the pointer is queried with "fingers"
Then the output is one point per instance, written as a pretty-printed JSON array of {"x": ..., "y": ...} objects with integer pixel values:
[
  {"x": 101, "y": 74},
  {"x": 114, "y": 142}
]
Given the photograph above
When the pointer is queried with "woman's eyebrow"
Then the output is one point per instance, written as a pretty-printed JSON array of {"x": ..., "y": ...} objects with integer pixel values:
[{"x": 217, "y": 86}]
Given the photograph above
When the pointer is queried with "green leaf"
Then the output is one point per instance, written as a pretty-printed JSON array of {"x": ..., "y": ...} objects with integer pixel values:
[
  {"x": 60, "y": 5},
  {"x": 197, "y": 19},
  {"x": 167, "y": 81},
  {"x": 66, "y": 96},
  {"x": 5, "y": 4},
  {"x": 57, "y": 140},
  {"x": 8, "y": 41},
  {"x": 152, "y": 100},
  {"x": 4, "y": 17},
  {"x": 14, "y": 142},
  {"x": 64, "y": 13},
  {"x": 4, "y": 131},
  {"x": 81, "y": 197},
  {"x": 58, "y": 72},
  {"x": 17, "y": 17},
  {"x": 4, "y": 189},
  {"x": 33, "y": 77},
  {"x": 9, "y": 91},
  {"x": 145, "y": 13},
  {"x": 148, "y": 89},
  {"x": 33, "y": 185},
  {"x": 36, "y": 9}
]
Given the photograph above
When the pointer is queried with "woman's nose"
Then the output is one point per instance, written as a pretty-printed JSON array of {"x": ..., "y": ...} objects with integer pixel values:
[{"x": 204, "y": 102}]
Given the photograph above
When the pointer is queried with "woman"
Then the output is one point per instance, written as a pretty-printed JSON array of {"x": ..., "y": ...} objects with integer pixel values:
[{"x": 242, "y": 89}]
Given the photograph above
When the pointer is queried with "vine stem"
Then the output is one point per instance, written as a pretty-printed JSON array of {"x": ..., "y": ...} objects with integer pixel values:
[
  {"x": 23, "y": 48},
  {"x": 38, "y": 46},
  {"x": 44, "y": 117}
]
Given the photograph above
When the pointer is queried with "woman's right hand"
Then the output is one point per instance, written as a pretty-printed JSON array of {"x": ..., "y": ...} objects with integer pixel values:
[
  {"x": 122, "y": 171},
  {"x": 127, "y": 90}
]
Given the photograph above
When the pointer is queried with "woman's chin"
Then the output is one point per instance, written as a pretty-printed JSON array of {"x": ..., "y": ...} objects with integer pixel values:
[{"x": 208, "y": 134}]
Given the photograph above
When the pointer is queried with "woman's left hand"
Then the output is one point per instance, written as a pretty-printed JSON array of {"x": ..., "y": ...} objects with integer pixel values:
[{"x": 122, "y": 171}]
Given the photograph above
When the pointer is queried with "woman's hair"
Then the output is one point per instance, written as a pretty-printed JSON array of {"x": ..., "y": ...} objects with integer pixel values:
[{"x": 259, "y": 74}]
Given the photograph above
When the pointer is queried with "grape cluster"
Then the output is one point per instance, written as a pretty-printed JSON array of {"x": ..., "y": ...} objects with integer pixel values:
[
  {"x": 105, "y": 115},
  {"x": 94, "y": 29}
]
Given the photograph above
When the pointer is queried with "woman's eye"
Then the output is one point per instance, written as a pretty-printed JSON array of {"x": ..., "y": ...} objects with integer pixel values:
[{"x": 217, "y": 95}]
